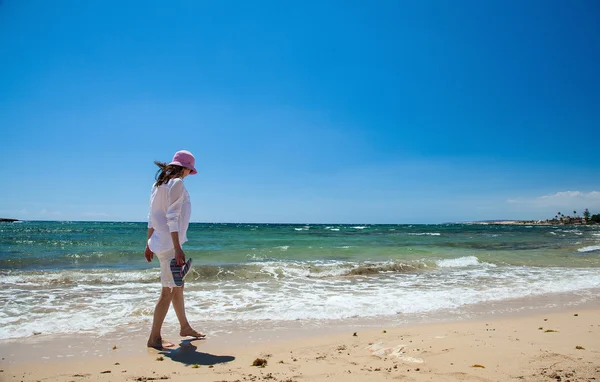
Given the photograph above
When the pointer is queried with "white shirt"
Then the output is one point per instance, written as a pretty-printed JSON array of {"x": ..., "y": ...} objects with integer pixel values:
[{"x": 170, "y": 211}]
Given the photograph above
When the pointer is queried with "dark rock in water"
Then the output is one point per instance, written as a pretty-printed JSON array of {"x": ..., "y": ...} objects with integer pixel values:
[{"x": 8, "y": 220}]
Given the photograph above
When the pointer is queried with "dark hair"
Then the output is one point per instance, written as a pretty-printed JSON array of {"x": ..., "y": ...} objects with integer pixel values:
[{"x": 167, "y": 172}]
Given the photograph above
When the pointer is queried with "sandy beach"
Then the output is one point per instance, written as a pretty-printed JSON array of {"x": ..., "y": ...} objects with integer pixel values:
[{"x": 559, "y": 345}]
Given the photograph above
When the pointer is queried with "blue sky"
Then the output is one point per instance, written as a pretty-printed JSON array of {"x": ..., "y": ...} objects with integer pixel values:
[{"x": 308, "y": 112}]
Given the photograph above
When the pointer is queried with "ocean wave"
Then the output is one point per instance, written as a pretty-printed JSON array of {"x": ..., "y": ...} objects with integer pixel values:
[
  {"x": 426, "y": 234},
  {"x": 100, "y": 309},
  {"x": 373, "y": 269},
  {"x": 73, "y": 278},
  {"x": 590, "y": 248},
  {"x": 575, "y": 231},
  {"x": 460, "y": 262},
  {"x": 333, "y": 269},
  {"x": 247, "y": 272}
]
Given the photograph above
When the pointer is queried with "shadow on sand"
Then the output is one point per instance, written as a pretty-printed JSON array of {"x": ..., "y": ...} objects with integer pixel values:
[{"x": 187, "y": 354}]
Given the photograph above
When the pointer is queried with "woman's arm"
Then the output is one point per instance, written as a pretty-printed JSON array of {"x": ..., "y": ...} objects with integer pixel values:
[
  {"x": 179, "y": 255},
  {"x": 175, "y": 200}
]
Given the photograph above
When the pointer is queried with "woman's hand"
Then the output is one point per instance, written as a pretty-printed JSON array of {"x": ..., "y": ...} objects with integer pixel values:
[
  {"x": 149, "y": 254},
  {"x": 179, "y": 256}
]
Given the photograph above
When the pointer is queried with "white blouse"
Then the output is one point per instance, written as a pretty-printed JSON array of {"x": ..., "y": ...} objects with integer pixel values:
[{"x": 170, "y": 211}]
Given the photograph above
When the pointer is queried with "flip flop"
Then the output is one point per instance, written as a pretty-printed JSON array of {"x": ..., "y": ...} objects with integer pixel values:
[
  {"x": 187, "y": 267},
  {"x": 179, "y": 272}
]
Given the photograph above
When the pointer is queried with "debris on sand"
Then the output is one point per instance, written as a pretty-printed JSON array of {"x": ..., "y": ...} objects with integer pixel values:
[{"x": 260, "y": 362}]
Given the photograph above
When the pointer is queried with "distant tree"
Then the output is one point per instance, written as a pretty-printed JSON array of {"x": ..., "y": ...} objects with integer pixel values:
[
  {"x": 586, "y": 215},
  {"x": 574, "y": 213},
  {"x": 595, "y": 218}
]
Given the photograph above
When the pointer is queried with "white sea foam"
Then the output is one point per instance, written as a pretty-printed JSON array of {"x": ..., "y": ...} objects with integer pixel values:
[
  {"x": 76, "y": 277},
  {"x": 575, "y": 231},
  {"x": 425, "y": 234},
  {"x": 313, "y": 269},
  {"x": 255, "y": 257},
  {"x": 458, "y": 262},
  {"x": 360, "y": 227},
  {"x": 394, "y": 294},
  {"x": 590, "y": 248},
  {"x": 292, "y": 293}
]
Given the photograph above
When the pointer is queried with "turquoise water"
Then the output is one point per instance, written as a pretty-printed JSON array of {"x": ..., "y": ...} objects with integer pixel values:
[
  {"x": 96, "y": 245},
  {"x": 62, "y": 277}
]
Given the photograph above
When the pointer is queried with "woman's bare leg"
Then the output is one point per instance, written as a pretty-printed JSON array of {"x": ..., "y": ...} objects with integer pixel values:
[
  {"x": 160, "y": 312},
  {"x": 179, "y": 306}
]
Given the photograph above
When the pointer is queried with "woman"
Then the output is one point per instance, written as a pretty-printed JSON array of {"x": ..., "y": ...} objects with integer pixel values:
[{"x": 168, "y": 221}]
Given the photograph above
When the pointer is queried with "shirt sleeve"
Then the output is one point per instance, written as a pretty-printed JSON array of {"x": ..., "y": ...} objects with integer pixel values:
[
  {"x": 150, "y": 212},
  {"x": 174, "y": 204}
]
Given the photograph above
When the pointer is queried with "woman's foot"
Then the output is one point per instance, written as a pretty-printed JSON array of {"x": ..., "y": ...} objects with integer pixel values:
[
  {"x": 160, "y": 344},
  {"x": 189, "y": 332}
]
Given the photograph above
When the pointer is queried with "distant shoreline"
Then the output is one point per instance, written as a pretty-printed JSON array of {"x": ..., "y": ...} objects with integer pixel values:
[
  {"x": 529, "y": 222},
  {"x": 8, "y": 220},
  {"x": 514, "y": 222}
]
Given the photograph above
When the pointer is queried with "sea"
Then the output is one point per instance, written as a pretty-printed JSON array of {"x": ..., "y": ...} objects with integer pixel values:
[{"x": 63, "y": 277}]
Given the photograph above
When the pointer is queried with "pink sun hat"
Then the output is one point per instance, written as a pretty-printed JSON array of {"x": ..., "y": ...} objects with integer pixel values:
[{"x": 185, "y": 159}]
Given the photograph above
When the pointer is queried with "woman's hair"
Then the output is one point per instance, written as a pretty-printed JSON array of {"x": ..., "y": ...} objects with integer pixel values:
[{"x": 167, "y": 172}]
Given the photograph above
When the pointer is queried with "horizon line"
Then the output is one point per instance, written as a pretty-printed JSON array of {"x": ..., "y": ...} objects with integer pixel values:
[{"x": 282, "y": 223}]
